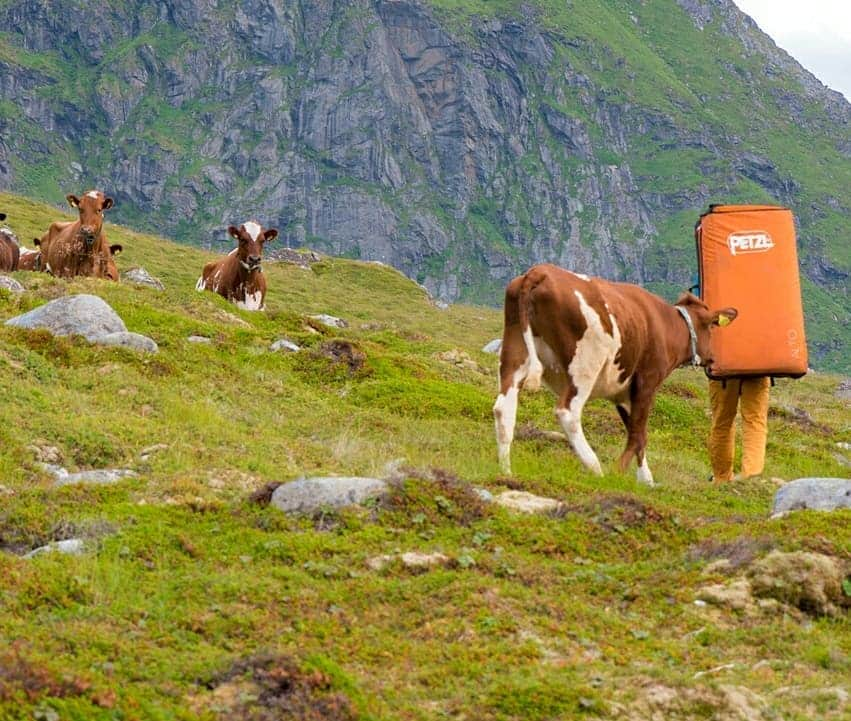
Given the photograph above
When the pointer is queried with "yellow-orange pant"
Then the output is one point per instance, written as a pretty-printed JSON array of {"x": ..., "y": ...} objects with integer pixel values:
[{"x": 724, "y": 397}]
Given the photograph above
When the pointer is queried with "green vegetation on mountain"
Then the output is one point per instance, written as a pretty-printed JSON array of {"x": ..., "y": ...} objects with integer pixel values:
[
  {"x": 457, "y": 140},
  {"x": 191, "y": 601}
]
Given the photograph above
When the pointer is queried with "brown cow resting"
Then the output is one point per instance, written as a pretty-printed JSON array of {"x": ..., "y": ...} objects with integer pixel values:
[
  {"x": 9, "y": 250},
  {"x": 591, "y": 338},
  {"x": 239, "y": 275},
  {"x": 80, "y": 247}
]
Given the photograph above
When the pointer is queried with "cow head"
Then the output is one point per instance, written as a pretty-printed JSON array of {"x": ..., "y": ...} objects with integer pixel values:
[
  {"x": 704, "y": 321},
  {"x": 251, "y": 238},
  {"x": 92, "y": 207}
]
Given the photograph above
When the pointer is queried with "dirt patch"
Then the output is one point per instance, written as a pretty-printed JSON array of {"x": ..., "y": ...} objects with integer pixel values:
[
  {"x": 800, "y": 418},
  {"x": 269, "y": 687},
  {"x": 739, "y": 552},
  {"x": 680, "y": 391},
  {"x": 23, "y": 680},
  {"x": 530, "y": 432},
  {"x": 615, "y": 513},
  {"x": 263, "y": 496},
  {"x": 343, "y": 352}
]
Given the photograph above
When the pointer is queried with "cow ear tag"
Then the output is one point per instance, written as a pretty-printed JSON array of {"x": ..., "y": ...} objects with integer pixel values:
[{"x": 723, "y": 320}]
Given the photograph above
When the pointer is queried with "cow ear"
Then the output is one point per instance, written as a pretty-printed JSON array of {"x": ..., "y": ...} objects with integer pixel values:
[
  {"x": 115, "y": 249},
  {"x": 724, "y": 317},
  {"x": 233, "y": 231},
  {"x": 270, "y": 234},
  {"x": 73, "y": 200},
  {"x": 107, "y": 203}
]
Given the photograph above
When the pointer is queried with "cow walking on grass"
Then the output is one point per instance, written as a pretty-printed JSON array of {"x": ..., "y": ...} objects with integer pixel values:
[
  {"x": 9, "y": 251},
  {"x": 239, "y": 275},
  {"x": 590, "y": 338},
  {"x": 71, "y": 248}
]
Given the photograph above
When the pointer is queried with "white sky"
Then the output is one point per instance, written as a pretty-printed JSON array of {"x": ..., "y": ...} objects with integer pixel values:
[{"x": 817, "y": 33}]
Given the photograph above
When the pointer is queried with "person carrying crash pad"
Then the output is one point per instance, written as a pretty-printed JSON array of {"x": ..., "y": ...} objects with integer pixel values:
[{"x": 747, "y": 259}]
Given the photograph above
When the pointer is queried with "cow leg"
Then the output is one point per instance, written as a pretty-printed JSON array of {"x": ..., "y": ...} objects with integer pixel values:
[
  {"x": 635, "y": 421},
  {"x": 569, "y": 414}
]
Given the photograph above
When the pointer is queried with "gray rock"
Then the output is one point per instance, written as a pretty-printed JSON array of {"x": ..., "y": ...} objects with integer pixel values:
[
  {"x": 85, "y": 315},
  {"x": 495, "y": 346},
  {"x": 199, "y": 339},
  {"x": 306, "y": 495},
  {"x": 284, "y": 344},
  {"x": 441, "y": 305},
  {"x": 817, "y": 494},
  {"x": 99, "y": 477},
  {"x": 844, "y": 390},
  {"x": 330, "y": 321},
  {"x": 70, "y": 546},
  {"x": 55, "y": 470},
  {"x": 11, "y": 284},
  {"x": 140, "y": 276},
  {"x": 526, "y": 502},
  {"x": 136, "y": 341},
  {"x": 484, "y": 494}
]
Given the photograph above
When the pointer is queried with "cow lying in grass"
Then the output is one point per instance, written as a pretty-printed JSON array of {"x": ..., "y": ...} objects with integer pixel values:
[
  {"x": 9, "y": 250},
  {"x": 71, "y": 248},
  {"x": 590, "y": 338},
  {"x": 239, "y": 275}
]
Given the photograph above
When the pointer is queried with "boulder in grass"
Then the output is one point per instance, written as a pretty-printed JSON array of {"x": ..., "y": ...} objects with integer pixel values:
[
  {"x": 140, "y": 276},
  {"x": 285, "y": 345},
  {"x": 70, "y": 546},
  {"x": 330, "y": 320},
  {"x": 134, "y": 341},
  {"x": 815, "y": 494},
  {"x": 85, "y": 315},
  {"x": 527, "y": 502},
  {"x": 307, "y": 495},
  {"x": 100, "y": 477},
  {"x": 495, "y": 346},
  {"x": 11, "y": 284}
]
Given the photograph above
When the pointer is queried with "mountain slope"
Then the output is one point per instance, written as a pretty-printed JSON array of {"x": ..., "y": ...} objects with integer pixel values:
[
  {"x": 457, "y": 140},
  {"x": 190, "y": 599}
]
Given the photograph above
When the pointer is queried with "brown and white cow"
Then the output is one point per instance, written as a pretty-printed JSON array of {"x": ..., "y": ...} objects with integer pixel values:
[
  {"x": 9, "y": 251},
  {"x": 239, "y": 275},
  {"x": 30, "y": 259},
  {"x": 590, "y": 338},
  {"x": 80, "y": 247}
]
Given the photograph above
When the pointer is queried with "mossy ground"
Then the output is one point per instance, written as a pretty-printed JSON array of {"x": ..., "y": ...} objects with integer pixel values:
[{"x": 536, "y": 617}]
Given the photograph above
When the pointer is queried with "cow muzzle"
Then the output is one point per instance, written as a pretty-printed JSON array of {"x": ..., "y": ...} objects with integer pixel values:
[
  {"x": 88, "y": 234},
  {"x": 253, "y": 263}
]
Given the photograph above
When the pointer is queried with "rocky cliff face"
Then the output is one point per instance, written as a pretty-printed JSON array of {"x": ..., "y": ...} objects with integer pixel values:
[{"x": 458, "y": 146}]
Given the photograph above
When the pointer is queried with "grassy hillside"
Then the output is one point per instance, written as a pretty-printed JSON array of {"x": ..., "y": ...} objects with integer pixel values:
[{"x": 187, "y": 585}]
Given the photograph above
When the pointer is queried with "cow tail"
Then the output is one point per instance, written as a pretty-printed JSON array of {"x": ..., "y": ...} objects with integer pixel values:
[{"x": 534, "y": 368}]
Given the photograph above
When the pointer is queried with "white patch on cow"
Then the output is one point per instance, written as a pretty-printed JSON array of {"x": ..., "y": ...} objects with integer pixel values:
[
  {"x": 504, "y": 416},
  {"x": 593, "y": 366},
  {"x": 200, "y": 285},
  {"x": 253, "y": 301},
  {"x": 643, "y": 473},
  {"x": 93, "y": 194},
  {"x": 535, "y": 370},
  {"x": 582, "y": 276},
  {"x": 252, "y": 228},
  {"x": 233, "y": 251},
  {"x": 594, "y": 374}
]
